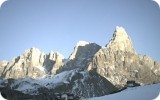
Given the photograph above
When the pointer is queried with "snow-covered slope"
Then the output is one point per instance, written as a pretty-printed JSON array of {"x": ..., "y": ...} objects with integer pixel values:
[
  {"x": 80, "y": 83},
  {"x": 148, "y": 92}
]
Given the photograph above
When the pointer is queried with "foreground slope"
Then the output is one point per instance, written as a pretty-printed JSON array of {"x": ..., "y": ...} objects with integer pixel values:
[
  {"x": 77, "y": 82},
  {"x": 148, "y": 92}
]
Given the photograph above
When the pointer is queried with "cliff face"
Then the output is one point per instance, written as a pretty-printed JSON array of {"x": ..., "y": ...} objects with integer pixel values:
[
  {"x": 33, "y": 63},
  {"x": 81, "y": 56},
  {"x": 118, "y": 62},
  {"x": 3, "y": 65}
]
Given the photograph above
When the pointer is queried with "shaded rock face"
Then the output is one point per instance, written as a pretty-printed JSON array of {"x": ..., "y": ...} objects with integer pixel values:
[
  {"x": 32, "y": 63},
  {"x": 53, "y": 62},
  {"x": 81, "y": 56},
  {"x": 118, "y": 62},
  {"x": 84, "y": 84}
]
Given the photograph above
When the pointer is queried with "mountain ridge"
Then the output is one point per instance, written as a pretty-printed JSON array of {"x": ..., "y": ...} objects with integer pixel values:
[
  {"x": 118, "y": 62},
  {"x": 114, "y": 64}
]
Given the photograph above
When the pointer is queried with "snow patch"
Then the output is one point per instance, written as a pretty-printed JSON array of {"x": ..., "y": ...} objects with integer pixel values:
[
  {"x": 82, "y": 43},
  {"x": 158, "y": 97},
  {"x": 41, "y": 68}
]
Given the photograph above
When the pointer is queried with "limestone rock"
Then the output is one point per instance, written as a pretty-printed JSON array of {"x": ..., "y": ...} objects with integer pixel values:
[
  {"x": 118, "y": 62},
  {"x": 58, "y": 62},
  {"x": 33, "y": 63},
  {"x": 3, "y": 65},
  {"x": 121, "y": 41}
]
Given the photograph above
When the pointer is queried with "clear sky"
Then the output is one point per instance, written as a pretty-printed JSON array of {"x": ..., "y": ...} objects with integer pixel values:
[{"x": 59, "y": 24}]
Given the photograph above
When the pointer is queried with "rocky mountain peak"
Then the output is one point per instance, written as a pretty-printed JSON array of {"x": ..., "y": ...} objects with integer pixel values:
[
  {"x": 34, "y": 55},
  {"x": 79, "y": 44},
  {"x": 118, "y": 62},
  {"x": 121, "y": 41},
  {"x": 81, "y": 56},
  {"x": 32, "y": 63}
]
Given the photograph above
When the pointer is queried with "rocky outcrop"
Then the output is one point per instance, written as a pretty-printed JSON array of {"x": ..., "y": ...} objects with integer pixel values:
[
  {"x": 58, "y": 59},
  {"x": 3, "y": 65},
  {"x": 81, "y": 56},
  {"x": 118, "y": 62},
  {"x": 33, "y": 63}
]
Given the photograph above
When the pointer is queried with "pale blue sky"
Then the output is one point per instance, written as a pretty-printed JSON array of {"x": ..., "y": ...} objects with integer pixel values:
[{"x": 59, "y": 24}]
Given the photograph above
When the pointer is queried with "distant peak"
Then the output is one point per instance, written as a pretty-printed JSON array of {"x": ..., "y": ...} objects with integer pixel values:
[
  {"x": 82, "y": 43},
  {"x": 120, "y": 41}
]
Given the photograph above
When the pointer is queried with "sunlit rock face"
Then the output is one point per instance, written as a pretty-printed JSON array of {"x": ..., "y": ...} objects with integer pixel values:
[
  {"x": 118, "y": 62},
  {"x": 3, "y": 65},
  {"x": 120, "y": 41},
  {"x": 58, "y": 62},
  {"x": 33, "y": 63}
]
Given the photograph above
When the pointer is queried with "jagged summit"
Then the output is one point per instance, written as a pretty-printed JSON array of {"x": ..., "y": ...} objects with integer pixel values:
[
  {"x": 32, "y": 63},
  {"x": 121, "y": 41},
  {"x": 82, "y": 55},
  {"x": 80, "y": 43}
]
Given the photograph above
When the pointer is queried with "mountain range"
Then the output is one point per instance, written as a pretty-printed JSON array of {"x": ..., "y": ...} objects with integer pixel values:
[{"x": 91, "y": 70}]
